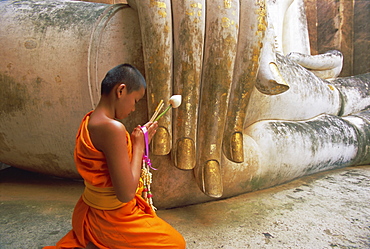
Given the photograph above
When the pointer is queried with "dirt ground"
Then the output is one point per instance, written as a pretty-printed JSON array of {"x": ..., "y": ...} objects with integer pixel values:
[{"x": 326, "y": 210}]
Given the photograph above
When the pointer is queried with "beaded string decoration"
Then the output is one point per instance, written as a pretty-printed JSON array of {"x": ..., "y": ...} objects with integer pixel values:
[{"x": 146, "y": 175}]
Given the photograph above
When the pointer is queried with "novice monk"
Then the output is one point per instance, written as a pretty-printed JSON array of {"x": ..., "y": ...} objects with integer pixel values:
[{"x": 111, "y": 212}]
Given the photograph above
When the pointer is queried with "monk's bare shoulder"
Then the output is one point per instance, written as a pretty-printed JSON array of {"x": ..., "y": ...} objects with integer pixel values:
[{"x": 105, "y": 132}]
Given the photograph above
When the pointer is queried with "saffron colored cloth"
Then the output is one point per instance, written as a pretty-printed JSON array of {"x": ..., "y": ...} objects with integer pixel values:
[{"x": 134, "y": 225}]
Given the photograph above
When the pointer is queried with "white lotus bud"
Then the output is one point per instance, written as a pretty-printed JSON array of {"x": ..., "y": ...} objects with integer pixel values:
[{"x": 175, "y": 101}]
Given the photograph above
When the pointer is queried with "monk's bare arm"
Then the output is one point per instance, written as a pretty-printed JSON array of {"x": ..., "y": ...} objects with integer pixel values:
[{"x": 110, "y": 138}]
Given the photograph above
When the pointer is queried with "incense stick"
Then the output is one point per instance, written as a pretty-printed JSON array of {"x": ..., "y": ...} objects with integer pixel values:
[{"x": 157, "y": 110}]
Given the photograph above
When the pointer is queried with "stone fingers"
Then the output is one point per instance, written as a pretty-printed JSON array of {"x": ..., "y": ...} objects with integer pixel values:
[
  {"x": 326, "y": 66},
  {"x": 189, "y": 31},
  {"x": 214, "y": 69},
  {"x": 156, "y": 31},
  {"x": 251, "y": 34},
  {"x": 269, "y": 80},
  {"x": 219, "y": 56}
]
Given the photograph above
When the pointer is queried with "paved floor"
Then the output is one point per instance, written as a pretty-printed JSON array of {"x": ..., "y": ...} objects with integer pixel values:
[{"x": 326, "y": 210}]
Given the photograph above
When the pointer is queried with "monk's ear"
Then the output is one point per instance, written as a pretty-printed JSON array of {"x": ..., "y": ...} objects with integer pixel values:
[{"x": 121, "y": 89}]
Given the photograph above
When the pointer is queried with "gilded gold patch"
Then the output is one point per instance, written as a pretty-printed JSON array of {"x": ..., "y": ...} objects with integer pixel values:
[
  {"x": 213, "y": 179},
  {"x": 226, "y": 22},
  {"x": 237, "y": 153},
  {"x": 158, "y": 4},
  {"x": 196, "y": 5},
  {"x": 162, "y": 13},
  {"x": 161, "y": 142},
  {"x": 189, "y": 13},
  {"x": 185, "y": 154},
  {"x": 331, "y": 87},
  {"x": 227, "y": 4}
]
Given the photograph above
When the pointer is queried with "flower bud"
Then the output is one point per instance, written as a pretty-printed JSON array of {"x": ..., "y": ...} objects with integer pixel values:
[{"x": 175, "y": 101}]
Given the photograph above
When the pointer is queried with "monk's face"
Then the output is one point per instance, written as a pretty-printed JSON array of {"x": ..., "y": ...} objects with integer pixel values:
[{"x": 128, "y": 102}]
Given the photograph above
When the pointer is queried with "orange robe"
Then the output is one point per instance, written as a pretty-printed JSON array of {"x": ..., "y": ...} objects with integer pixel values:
[{"x": 134, "y": 225}]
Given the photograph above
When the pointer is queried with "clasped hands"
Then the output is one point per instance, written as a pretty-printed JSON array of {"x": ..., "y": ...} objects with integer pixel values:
[{"x": 137, "y": 135}]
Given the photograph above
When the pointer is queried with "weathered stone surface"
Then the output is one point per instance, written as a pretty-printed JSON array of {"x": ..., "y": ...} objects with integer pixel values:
[
  {"x": 46, "y": 97},
  {"x": 326, "y": 210}
]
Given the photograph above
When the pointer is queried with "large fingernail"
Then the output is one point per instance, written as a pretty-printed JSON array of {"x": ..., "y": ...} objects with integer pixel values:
[
  {"x": 185, "y": 157},
  {"x": 161, "y": 142},
  {"x": 236, "y": 144},
  {"x": 212, "y": 179}
]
